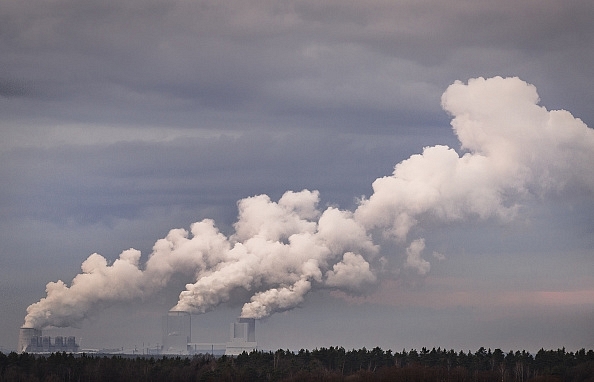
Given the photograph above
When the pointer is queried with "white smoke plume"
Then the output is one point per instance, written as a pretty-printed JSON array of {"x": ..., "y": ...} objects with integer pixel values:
[{"x": 512, "y": 149}]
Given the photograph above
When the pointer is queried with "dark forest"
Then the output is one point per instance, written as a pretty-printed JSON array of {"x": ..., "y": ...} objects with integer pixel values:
[{"x": 324, "y": 364}]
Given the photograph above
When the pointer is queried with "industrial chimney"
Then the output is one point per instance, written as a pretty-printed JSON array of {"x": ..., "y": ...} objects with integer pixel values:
[{"x": 26, "y": 337}]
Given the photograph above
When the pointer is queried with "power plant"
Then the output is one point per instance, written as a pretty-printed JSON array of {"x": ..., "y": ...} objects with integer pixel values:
[
  {"x": 176, "y": 335},
  {"x": 32, "y": 341}
]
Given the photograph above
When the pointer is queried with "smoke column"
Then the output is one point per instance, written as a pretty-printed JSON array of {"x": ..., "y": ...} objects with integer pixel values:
[{"x": 511, "y": 149}]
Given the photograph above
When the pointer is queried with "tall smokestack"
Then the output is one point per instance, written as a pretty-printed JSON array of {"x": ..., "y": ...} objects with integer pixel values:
[{"x": 25, "y": 337}]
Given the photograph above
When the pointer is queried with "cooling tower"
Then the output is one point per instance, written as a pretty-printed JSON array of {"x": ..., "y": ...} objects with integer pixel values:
[
  {"x": 177, "y": 332},
  {"x": 243, "y": 337},
  {"x": 244, "y": 330},
  {"x": 26, "y": 335},
  {"x": 32, "y": 341}
]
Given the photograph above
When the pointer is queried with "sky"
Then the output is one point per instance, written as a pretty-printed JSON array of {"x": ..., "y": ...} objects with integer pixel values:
[{"x": 401, "y": 174}]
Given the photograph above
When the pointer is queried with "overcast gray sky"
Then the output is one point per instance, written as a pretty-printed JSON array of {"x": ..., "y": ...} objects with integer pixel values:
[{"x": 122, "y": 120}]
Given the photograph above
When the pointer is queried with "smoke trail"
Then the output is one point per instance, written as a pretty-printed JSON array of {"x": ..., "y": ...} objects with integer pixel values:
[
  {"x": 515, "y": 149},
  {"x": 512, "y": 149}
]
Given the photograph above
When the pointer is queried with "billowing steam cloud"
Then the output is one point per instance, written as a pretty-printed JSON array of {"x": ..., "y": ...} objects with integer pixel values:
[{"x": 512, "y": 148}]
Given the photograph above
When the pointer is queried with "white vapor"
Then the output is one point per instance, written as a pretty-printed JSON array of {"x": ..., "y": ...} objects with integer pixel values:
[{"x": 512, "y": 149}]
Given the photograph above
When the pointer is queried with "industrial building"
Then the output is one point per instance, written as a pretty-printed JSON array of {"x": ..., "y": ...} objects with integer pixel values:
[
  {"x": 177, "y": 332},
  {"x": 176, "y": 335},
  {"x": 32, "y": 341},
  {"x": 243, "y": 337}
]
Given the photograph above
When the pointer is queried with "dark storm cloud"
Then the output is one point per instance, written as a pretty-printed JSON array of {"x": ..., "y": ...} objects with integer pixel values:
[{"x": 149, "y": 58}]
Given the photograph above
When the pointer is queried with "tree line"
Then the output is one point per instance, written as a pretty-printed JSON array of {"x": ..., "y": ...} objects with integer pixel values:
[{"x": 324, "y": 364}]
